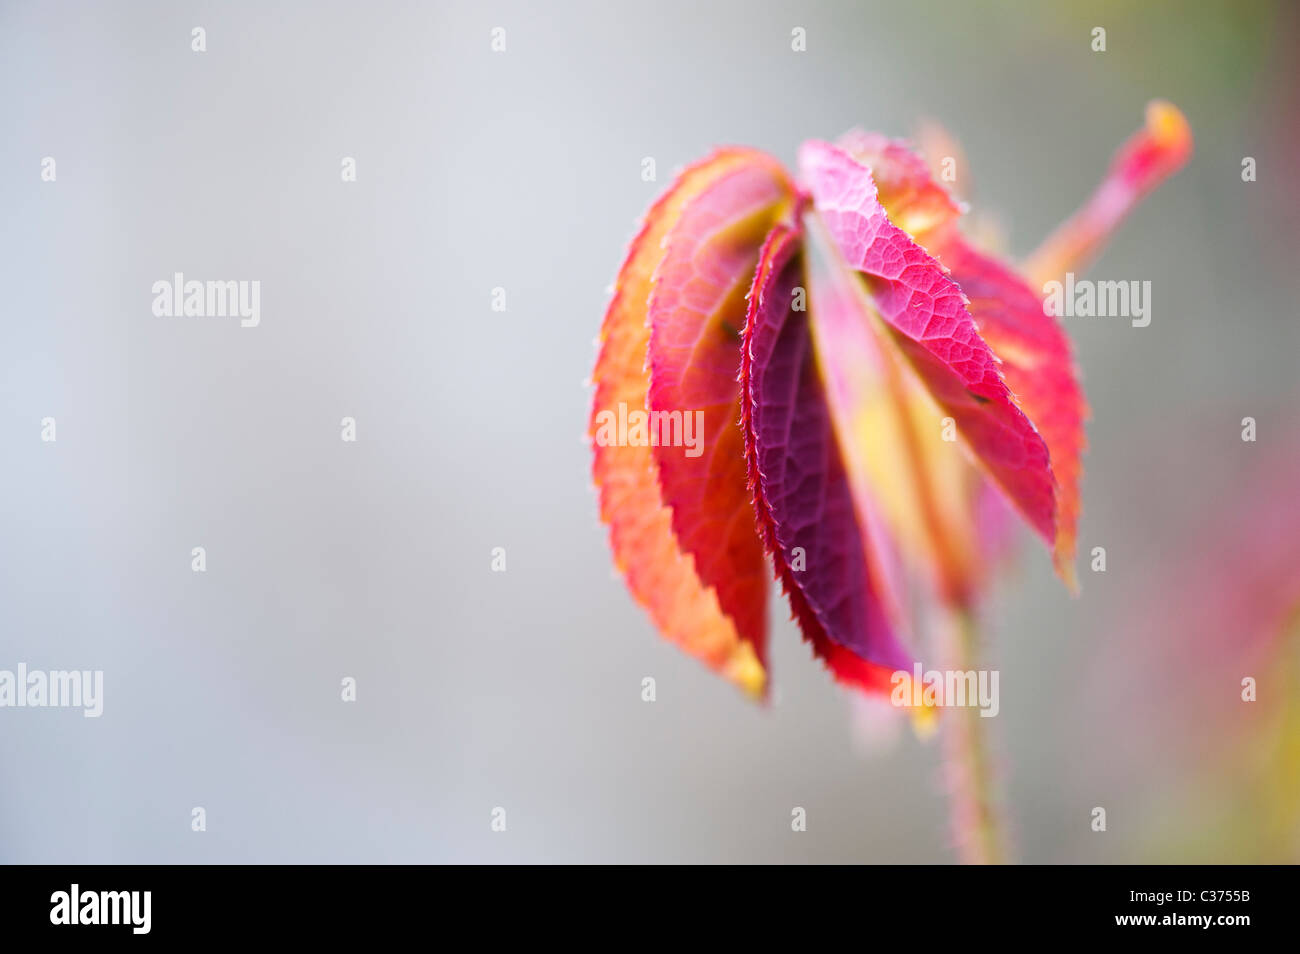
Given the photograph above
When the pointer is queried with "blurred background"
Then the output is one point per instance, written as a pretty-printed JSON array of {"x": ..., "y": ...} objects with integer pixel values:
[{"x": 521, "y": 170}]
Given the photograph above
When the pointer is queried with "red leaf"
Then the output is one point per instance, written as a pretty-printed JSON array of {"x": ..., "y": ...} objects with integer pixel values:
[
  {"x": 697, "y": 313},
  {"x": 926, "y": 313},
  {"x": 1154, "y": 153},
  {"x": 801, "y": 494},
  {"x": 659, "y": 574},
  {"x": 1038, "y": 367}
]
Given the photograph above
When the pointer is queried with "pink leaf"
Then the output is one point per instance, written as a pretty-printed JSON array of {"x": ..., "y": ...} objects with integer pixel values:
[{"x": 927, "y": 316}]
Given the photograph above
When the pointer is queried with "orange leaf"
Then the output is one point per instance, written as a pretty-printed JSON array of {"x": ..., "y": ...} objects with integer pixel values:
[{"x": 662, "y": 575}]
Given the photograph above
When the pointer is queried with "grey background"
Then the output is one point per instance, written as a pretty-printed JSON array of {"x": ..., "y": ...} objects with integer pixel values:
[{"x": 371, "y": 560}]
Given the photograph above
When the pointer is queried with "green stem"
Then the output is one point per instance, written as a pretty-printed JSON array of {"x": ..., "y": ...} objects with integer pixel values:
[{"x": 976, "y": 821}]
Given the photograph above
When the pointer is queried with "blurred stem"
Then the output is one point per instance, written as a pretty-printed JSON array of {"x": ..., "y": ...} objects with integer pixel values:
[{"x": 976, "y": 822}]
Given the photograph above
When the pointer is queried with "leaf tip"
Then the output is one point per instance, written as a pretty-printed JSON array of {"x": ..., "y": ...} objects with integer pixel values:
[
  {"x": 1168, "y": 127},
  {"x": 1063, "y": 563},
  {"x": 744, "y": 669},
  {"x": 925, "y": 722}
]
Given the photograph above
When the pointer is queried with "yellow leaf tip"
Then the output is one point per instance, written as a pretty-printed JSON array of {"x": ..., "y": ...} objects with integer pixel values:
[
  {"x": 1065, "y": 570},
  {"x": 925, "y": 722},
  {"x": 1166, "y": 124},
  {"x": 744, "y": 669}
]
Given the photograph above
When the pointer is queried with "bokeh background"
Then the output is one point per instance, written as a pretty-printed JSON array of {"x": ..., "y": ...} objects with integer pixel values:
[{"x": 372, "y": 559}]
